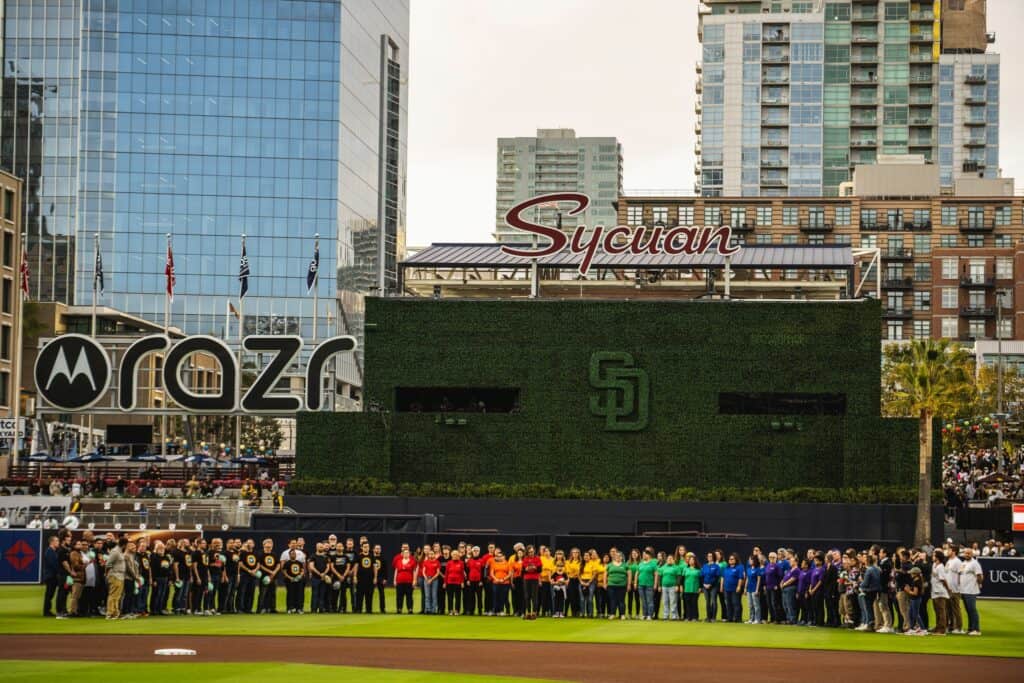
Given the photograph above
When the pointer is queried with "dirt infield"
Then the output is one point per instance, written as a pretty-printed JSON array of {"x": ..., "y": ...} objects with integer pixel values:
[{"x": 592, "y": 663}]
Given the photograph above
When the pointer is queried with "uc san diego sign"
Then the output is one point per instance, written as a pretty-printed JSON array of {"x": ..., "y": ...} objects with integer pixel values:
[
  {"x": 621, "y": 239},
  {"x": 73, "y": 372}
]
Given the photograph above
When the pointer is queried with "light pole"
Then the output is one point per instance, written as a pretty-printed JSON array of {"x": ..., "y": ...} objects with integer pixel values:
[{"x": 999, "y": 380}]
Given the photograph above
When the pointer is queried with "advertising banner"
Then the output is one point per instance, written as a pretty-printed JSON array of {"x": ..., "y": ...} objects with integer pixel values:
[
  {"x": 1004, "y": 577},
  {"x": 20, "y": 555},
  {"x": 22, "y": 509}
]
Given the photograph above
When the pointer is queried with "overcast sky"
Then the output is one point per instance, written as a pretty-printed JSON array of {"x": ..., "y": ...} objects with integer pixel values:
[{"x": 484, "y": 69}]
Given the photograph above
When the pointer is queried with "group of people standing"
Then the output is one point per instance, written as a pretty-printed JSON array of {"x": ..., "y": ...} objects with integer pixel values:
[{"x": 862, "y": 590}]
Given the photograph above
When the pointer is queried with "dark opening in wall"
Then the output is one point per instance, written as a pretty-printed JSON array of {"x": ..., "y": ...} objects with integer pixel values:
[
  {"x": 456, "y": 400},
  {"x": 772, "y": 403}
]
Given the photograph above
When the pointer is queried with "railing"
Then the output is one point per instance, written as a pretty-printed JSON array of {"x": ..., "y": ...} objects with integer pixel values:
[
  {"x": 974, "y": 142},
  {"x": 898, "y": 283},
  {"x": 975, "y": 79},
  {"x": 775, "y": 123},
  {"x": 898, "y": 254},
  {"x": 864, "y": 121},
  {"x": 775, "y": 79},
  {"x": 897, "y": 313},
  {"x": 906, "y": 226},
  {"x": 865, "y": 38},
  {"x": 974, "y": 281},
  {"x": 864, "y": 15},
  {"x": 863, "y": 79},
  {"x": 774, "y": 100},
  {"x": 745, "y": 226},
  {"x": 816, "y": 226},
  {"x": 922, "y": 15},
  {"x": 864, "y": 57},
  {"x": 773, "y": 182},
  {"x": 775, "y": 59},
  {"x": 922, "y": 78},
  {"x": 775, "y": 37},
  {"x": 922, "y": 121},
  {"x": 974, "y": 225},
  {"x": 864, "y": 143},
  {"x": 975, "y": 100},
  {"x": 774, "y": 163},
  {"x": 976, "y": 312},
  {"x": 774, "y": 142},
  {"x": 975, "y": 121},
  {"x": 921, "y": 57}
]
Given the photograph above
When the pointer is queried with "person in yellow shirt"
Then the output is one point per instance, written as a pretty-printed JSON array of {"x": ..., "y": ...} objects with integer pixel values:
[
  {"x": 590, "y": 577},
  {"x": 547, "y": 563},
  {"x": 573, "y": 567}
]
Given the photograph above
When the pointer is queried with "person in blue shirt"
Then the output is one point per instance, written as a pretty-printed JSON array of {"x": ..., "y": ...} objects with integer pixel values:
[
  {"x": 802, "y": 584},
  {"x": 732, "y": 588},
  {"x": 754, "y": 584},
  {"x": 710, "y": 578}
]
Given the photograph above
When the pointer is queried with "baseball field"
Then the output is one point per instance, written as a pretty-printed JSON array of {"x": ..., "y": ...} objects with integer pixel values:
[{"x": 411, "y": 647}]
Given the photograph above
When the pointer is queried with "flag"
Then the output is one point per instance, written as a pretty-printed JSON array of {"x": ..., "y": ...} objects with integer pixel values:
[
  {"x": 243, "y": 272},
  {"x": 97, "y": 278},
  {"x": 169, "y": 270},
  {"x": 234, "y": 311},
  {"x": 24, "y": 274},
  {"x": 314, "y": 268}
]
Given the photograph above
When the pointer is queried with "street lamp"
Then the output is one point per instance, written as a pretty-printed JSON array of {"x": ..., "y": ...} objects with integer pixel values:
[{"x": 999, "y": 380}]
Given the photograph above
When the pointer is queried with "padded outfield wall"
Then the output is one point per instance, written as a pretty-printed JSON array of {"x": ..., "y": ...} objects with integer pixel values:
[{"x": 663, "y": 393}]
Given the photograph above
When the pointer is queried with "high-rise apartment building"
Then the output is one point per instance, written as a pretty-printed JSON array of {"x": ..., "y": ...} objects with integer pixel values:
[
  {"x": 210, "y": 119},
  {"x": 558, "y": 161},
  {"x": 794, "y": 94}
]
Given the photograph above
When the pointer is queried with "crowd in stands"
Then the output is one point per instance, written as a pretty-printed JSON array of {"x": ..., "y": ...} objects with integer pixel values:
[
  {"x": 981, "y": 475},
  {"x": 864, "y": 590}
]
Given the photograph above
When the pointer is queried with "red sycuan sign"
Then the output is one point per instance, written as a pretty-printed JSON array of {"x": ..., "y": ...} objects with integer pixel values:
[{"x": 620, "y": 239}]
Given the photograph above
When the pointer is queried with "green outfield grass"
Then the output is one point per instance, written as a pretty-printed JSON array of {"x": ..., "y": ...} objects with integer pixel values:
[
  {"x": 19, "y": 671},
  {"x": 1002, "y": 623}
]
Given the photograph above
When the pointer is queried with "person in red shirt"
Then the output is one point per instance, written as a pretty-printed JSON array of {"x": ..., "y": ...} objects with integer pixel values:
[
  {"x": 472, "y": 598},
  {"x": 531, "y": 568},
  {"x": 431, "y": 571},
  {"x": 405, "y": 576},
  {"x": 454, "y": 580}
]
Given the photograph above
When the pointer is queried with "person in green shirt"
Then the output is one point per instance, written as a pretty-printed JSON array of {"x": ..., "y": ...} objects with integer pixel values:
[
  {"x": 617, "y": 573},
  {"x": 668, "y": 581},
  {"x": 690, "y": 574},
  {"x": 722, "y": 564},
  {"x": 643, "y": 581},
  {"x": 632, "y": 596}
]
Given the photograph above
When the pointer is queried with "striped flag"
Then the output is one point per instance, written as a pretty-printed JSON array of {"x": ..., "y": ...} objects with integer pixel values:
[
  {"x": 314, "y": 267},
  {"x": 169, "y": 270},
  {"x": 1018, "y": 517},
  {"x": 97, "y": 278},
  {"x": 243, "y": 272}
]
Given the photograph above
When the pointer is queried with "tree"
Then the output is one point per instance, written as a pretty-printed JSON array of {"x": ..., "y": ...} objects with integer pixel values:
[
  {"x": 988, "y": 390},
  {"x": 927, "y": 378},
  {"x": 262, "y": 429}
]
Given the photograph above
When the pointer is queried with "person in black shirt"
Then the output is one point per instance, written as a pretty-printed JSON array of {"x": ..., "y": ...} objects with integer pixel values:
[
  {"x": 216, "y": 582},
  {"x": 227, "y": 597},
  {"x": 180, "y": 575},
  {"x": 319, "y": 579},
  {"x": 248, "y": 566},
  {"x": 833, "y": 561},
  {"x": 142, "y": 555},
  {"x": 349, "y": 583},
  {"x": 295, "y": 582},
  {"x": 339, "y": 580},
  {"x": 365, "y": 580},
  {"x": 64, "y": 573},
  {"x": 200, "y": 576},
  {"x": 269, "y": 567},
  {"x": 161, "y": 567},
  {"x": 381, "y": 572}
]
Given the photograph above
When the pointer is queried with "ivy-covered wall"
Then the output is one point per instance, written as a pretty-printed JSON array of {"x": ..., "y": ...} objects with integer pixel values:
[{"x": 679, "y": 355}]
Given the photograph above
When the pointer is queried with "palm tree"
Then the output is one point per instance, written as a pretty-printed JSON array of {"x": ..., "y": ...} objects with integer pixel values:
[{"x": 924, "y": 379}]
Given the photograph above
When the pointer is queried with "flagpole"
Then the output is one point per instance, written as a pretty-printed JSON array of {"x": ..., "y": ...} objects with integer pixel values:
[
  {"x": 241, "y": 320},
  {"x": 16, "y": 407},
  {"x": 92, "y": 327},
  {"x": 167, "y": 326},
  {"x": 316, "y": 289}
]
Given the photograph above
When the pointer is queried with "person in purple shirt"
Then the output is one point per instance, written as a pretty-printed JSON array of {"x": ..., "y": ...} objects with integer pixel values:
[
  {"x": 802, "y": 584},
  {"x": 772, "y": 578},
  {"x": 790, "y": 586},
  {"x": 816, "y": 591}
]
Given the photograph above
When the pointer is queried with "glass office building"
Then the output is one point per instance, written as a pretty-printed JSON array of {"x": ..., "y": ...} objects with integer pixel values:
[
  {"x": 210, "y": 119},
  {"x": 794, "y": 94}
]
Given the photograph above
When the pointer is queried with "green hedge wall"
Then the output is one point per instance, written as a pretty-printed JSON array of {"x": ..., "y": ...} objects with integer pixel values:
[{"x": 690, "y": 351}]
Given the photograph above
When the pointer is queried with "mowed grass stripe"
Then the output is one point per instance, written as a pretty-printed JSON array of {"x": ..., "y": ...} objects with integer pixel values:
[{"x": 1002, "y": 624}]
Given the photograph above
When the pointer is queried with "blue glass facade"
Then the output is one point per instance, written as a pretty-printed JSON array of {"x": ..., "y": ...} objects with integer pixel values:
[{"x": 208, "y": 119}]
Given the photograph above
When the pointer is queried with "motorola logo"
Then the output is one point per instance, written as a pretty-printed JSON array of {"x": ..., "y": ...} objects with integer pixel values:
[{"x": 72, "y": 372}]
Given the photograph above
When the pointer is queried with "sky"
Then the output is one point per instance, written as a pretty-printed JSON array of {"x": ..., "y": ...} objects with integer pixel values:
[{"x": 484, "y": 69}]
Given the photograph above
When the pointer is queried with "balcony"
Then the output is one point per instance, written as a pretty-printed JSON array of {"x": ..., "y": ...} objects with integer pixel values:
[
  {"x": 922, "y": 38},
  {"x": 975, "y": 100},
  {"x": 864, "y": 79},
  {"x": 775, "y": 59},
  {"x": 699, "y": 86},
  {"x": 696, "y": 127},
  {"x": 864, "y": 58},
  {"x": 773, "y": 182},
  {"x": 865, "y": 38},
  {"x": 864, "y": 102},
  {"x": 922, "y": 121},
  {"x": 745, "y": 226},
  {"x": 774, "y": 163},
  {"x": 905, "y": 226},
  {"x": 975, "y": 225},
  {"x": 898, "y": 283},
  {"x": 775, "y": 101},
  {"x": 864, "y": 15},
  {"x": 815, "y": 226},
  {"x": 973, "y": 166},
  {"x": 898, "y": 255},
  {"x": 922, "y": 15},
  {"x": 774, "y": 142},
  {"x": 975, "y": 122},
  {"x": 974, "y": 142},
  {"x": 920, "y": 57},
  {"x": 774, "y": 36},
  {"x": 975, "y": 79},
  {"x": 974, "y": 312},
  {"x": 922, "y": 77},
  {"x": 978, "y": 282},
  {"x": 897, "y": 314},
  {"x": 922, "y": 142},
  {"x": 774, "y": 123},
  {"x": 864, "y": 143},
  {"x": 973, "y": 337},
  {"x": 864, "y": 121}
]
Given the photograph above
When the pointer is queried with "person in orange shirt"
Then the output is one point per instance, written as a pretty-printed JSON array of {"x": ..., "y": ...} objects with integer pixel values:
[
  {"x": 501, "y": 578},
  {"x": 516, "y": 563}
]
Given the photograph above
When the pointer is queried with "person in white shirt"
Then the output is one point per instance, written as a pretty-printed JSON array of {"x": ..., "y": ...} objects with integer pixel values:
[
  {"x": 955, "y": 622},
  {"x": 971, "y": 579},
  {"x": 299, "y": 555},
  {"x": 940, "y": 591},
  {"x": 36, "y": 523}
]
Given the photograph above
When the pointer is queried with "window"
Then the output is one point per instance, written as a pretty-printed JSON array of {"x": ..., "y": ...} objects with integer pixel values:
[
  {"x": 922, "y": 301},
  {"x": 976, "y": 216},
  {"x": 947, "y": 241},
  {"x": 712, "y": 215},
  {"x": 5, "y": 342},
  {"x": 949, "y": 215},
  {"x": 659, "y": 214},
  {"x": 923, "y": 272},
  {"x": 1002, "y": 215},
  {"x": 976, "y": 298},
  {"x": 634, "y": 215},
  {"x": 894, "y": 330},
  {"x": 894, "y": 218},
  {"x": 896, "y": 10},
  {"x": 8, "y": 296},
  {"x": 844, "y": 239},
  {"x": 737, "y": 216},
  {"x": 764, "y": 215},
  {"x": 1004, "y": 241},
  {"x": 790, "y": 215},
  {"x": 9, "y": 205},
  {"x": 922, "y": 245},
  {"x": 789, "y": 239},
  {"x": 685, "y": 215},
  {"x": 773, "y": 403},
  {"x": 922, "y": 329},
  {"x": 949, "y": 268},
  {"x": 5, "y": 383},
  {"x": 763, "y": 238},
  {"x": 1004, "y": 267},
  {"x": 1004, "y": 329},
  {"x": 868, "y": 218},
  {"x": 976, "y": 329},
  {"x": 976, "y": 241},
  {"x": 922, "y": 216},
  {"x": 1004, "y": 297},
  {"x": 869, "y": 241},
  {"x": 951, "y": 327},
  {"x": 8, "y": 249},
  {"x": 842, "y": 215}
]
